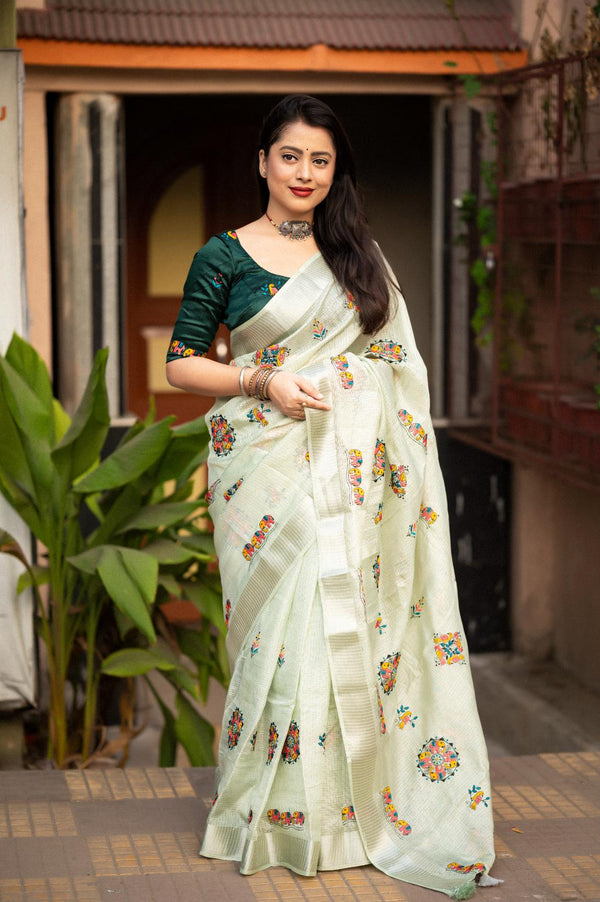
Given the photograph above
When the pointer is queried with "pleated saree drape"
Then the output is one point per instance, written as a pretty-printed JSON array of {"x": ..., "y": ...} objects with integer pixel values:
[{"x": 350, "y": 732}]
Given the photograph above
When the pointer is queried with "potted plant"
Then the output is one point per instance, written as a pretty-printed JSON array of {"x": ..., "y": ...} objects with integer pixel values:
[{"x": 145, "y": 546}]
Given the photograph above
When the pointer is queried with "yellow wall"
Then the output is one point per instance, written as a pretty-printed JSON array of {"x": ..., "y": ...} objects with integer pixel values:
[{"x": 175, "y": 234}]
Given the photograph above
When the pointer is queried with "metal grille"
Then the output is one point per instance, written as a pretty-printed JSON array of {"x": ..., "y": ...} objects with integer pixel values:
[{"x": 547, "y": 301}]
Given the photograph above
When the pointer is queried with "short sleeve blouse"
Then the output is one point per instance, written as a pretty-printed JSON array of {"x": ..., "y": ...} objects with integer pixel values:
[{"x": 224, "y": 285}]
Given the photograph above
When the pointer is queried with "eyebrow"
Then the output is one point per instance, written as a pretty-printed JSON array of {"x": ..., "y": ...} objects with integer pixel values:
[{"x": 298, "y": 150}]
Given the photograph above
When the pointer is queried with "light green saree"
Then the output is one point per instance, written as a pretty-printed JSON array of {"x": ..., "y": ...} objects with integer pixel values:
[{"x": 350, "y": 732}]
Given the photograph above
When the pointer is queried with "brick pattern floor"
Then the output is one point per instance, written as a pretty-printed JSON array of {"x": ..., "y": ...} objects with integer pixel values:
[{"x": 133, "y": 834}]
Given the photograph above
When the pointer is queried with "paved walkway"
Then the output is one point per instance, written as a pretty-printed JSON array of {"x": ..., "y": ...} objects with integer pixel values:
[{"x": 133, "y": 835}]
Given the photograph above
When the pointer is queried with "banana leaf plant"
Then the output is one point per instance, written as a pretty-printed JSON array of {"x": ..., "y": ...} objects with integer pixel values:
[{"x": 122, "y": 534}]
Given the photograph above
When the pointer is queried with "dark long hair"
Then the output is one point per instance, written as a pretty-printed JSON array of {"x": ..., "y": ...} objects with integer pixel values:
[{"x": 340, "y": 226}]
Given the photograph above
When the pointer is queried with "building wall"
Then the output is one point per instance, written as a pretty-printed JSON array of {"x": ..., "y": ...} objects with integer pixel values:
[
  {"x": 556, "y": 573},
  {"x": 37, "y": 226}
]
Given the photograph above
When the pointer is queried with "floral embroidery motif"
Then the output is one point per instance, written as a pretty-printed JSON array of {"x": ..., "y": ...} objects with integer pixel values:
[
  {"x": 273, "y": 737},
  {"x": 403, "y": 827},
  {"x": 386, "y": 349},
  {"x": 405, "y": 717},
  {"x": 227, "y": 612},
  {"x": 250, "y": 816},
  {"x": 382, "y": 724},
  {"x": 210, "y": 492},
  {"x": 412, "y": 530},
  {"x": 438, "y": 760},
  {"x": 217, "y": 280},
  {"x": 271, "y": 288},
  {"x": 291, "y": 747},
  {"x": 319, "y": 330},
  {"x": 466, "y": 868},
  {"x": 341, "y": 364},
  {"x": 214, "y": 801},
  {"x": 273, "y": 355},
  {"x": 379, "y": 515},
  {"x": 427, "y": 515},
  {"x": 257, "y": 415},
  {"x": 236, "y": 725},
  {"x": 377, "y": 570},
  {"x": 416, "y": 609},
  {"x": 379, "y": 624},
  {"x": 231, "y": 234},
  {"x": 350, "y": 302},
  {"x": 448, "y": 648},
  {"x": 348, "y": 814},
  {"x": 255, "y": 645},
  {"x": 182, "y": 350},
  {"x": 415, "y": 430},
  {"x": 354, "y": 475},
  {"x": 281, "y": 656},
  {"x": 259, "y": 537},
  {"x": 322, "y": 740},
  {"x": 477, "y": 797},
  {"x": 398, "y": 480},
  {"x": 223, "y": 435},
  {"x": 388, "y": 672},
  {"x": 253, "y": 741},
  {"x": 379, "y": 460},
  {"x": 286, "y": 818}
]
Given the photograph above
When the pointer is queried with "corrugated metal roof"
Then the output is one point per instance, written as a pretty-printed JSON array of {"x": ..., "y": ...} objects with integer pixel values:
[{"x": 340, "y": 24}]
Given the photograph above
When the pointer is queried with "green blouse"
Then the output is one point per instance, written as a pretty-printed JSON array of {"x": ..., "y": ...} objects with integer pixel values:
[{"x": 224, "y": 285}]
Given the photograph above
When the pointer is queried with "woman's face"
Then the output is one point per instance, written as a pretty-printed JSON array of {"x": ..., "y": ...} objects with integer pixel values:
[{"x": 299, "y": 170}]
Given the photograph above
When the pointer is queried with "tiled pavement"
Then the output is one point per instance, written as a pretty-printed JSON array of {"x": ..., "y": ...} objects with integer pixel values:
[{"x": 133, "y": 834}]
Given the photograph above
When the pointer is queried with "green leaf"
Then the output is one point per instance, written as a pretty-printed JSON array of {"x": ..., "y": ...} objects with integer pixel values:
[
  {"x": 156, "y": 515},
  {"x": 62, "y": 420},
  {"x": 169, "y": 584},
  {"x": 124, "y": 503},
  {"x": 130, "y": 578},
  {"x": 185, "y": 453},
  {"x": 207, "y": 601},
  {"x": 135, "y": 661},
  {"x": 194, "y": 733},
  {"x": 37, "y": 575},
  {"x": 168, "y": 739},
  {"x": 182, "y": 679},
  {"x": 14, "y": 463},
  {"x": 167, "y": 751},
  {"x": 82, "y": 443},
  {"x": 202, "y": 542},
  {"x": 128, "y": 461},
  {"x": 26, "y": 361},
  {"x": 167, "y": 552},
  {"x": 9, "y": 545}
]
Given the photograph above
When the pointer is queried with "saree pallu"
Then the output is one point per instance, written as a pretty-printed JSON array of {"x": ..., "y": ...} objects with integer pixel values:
[{"x": 350, "y": 732}]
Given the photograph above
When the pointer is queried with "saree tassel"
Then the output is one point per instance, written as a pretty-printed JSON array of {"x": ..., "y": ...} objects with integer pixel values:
[{"x": 464, "y": 892}]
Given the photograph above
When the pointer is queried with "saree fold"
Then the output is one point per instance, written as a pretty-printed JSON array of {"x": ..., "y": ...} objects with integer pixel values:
[{"x": 350, "y": 732}]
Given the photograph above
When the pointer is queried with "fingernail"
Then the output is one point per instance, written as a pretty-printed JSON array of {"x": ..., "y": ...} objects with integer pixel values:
[{"x": 320, "y": 397}]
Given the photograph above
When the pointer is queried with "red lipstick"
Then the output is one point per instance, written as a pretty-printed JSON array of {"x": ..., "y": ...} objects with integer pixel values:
[{"x": 302, "y": 192}]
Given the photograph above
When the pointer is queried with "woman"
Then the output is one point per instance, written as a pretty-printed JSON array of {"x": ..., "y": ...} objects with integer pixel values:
[{"x": 350, "y": 732}]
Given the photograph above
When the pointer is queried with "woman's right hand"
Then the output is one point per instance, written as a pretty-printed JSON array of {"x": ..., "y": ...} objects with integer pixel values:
[{"x": 293, "y": 394}]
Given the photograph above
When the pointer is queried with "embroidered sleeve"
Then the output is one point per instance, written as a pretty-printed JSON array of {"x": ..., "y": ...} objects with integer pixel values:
[{"x": 204, "y": 303}]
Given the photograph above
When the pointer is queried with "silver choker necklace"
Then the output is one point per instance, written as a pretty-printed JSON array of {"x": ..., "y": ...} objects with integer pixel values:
[{"x": 296, "y": 229}]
